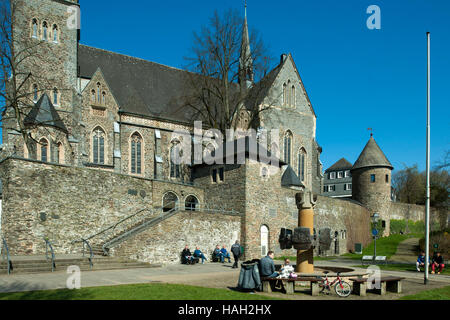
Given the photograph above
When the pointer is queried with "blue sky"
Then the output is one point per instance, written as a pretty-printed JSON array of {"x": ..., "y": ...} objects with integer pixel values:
[{"x": 356, "y": 78}]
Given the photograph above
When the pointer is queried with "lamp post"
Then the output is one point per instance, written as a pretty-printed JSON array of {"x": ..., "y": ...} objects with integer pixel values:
[{"x": 375, "y": 218}]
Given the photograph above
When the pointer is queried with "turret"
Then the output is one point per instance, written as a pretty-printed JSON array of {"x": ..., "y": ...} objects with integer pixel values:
[{"x": 371, "y": 178}]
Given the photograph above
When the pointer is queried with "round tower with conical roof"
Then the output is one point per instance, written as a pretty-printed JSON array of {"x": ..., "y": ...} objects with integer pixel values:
[{"x": 371, "y": 178}]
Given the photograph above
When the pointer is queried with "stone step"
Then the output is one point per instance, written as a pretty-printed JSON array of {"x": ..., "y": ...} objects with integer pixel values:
[{"x": 84, "y": 266}]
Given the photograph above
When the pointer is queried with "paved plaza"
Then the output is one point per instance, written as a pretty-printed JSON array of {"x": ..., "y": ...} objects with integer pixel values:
[{"x": 212, "y": 275}]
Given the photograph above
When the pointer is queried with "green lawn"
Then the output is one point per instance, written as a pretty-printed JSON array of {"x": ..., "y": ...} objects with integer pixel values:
[
  {"x": 385, "y": 246},
  {"x": 136, "y": 292},
  {"x": 436, "y": 294}
]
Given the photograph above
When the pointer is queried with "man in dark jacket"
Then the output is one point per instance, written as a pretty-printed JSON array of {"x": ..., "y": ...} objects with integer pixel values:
[
  {"x": 186, "y": 255},
  {"x": 438, "y": 261},
  {"x": 268, "y": 267},
  {"x": 236, "y": 250}
]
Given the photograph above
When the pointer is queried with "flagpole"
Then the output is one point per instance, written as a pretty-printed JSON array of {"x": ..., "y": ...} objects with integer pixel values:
[{"x": 427, "y": 209}]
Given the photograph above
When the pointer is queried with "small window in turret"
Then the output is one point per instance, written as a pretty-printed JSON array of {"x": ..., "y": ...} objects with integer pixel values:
[
  {"x": 372, "y": 178},
  {"x": 387, "y": 178}
]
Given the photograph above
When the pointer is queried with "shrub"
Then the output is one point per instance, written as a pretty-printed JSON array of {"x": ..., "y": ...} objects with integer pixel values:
[{"x": 399, "y": 226}]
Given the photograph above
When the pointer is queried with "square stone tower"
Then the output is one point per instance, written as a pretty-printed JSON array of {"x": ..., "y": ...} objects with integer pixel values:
[{"x": 48, "y": 31}]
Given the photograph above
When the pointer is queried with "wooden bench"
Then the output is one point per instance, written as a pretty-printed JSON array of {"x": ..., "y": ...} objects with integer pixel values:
[
  {"x": 392, "y": 284},
  {"x": 366, "y": 258},
  {"x": 289, "y": 284},
  {"x": 378, "y": 259}
]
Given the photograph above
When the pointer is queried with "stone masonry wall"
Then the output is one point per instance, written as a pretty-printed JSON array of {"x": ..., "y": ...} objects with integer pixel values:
[
  {"x": 66, "y": 203},
  {"x": 348, "y": 218},
  {"x": 163, "y": 243}
]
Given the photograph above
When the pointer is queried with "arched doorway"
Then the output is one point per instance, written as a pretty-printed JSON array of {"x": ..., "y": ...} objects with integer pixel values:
[
  {"x": 170, "y": 201},
  {"x": 191, "y": 204},
  {"x": 264, "y": 240}
]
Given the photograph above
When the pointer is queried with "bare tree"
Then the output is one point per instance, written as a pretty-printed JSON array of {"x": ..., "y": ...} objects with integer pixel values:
[
  {"x": 409, "y": 185},
  {"x": 21, "y": 56},
  {"x": 227, "y": 85}
]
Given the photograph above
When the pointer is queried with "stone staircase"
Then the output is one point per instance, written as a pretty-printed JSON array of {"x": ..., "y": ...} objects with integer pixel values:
[{"x": 39, "y": 264}]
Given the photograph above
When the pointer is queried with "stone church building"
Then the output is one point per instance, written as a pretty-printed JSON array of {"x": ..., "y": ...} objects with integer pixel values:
[{"x": 103, "y": 171}]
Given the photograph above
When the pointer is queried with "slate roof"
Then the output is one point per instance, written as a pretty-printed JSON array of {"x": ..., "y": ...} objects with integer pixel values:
[
  {"x": 290, "y": 179},
  {"x": 260, "y": 153},
  {"x": 342, "y": 164},
  {"x": 147, "y": 88},
  {"x": 372, "y": 156},
  {"x": 44, "y": 113}
]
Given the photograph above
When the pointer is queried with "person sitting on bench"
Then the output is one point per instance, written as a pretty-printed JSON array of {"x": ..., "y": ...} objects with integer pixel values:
[
  {"x": 217, "y": 254},
  {"x": 438, "y": 261},
  {"x": 199, "y": 254},
  {"x": 225, "y": 254},
  {"x": 421, "y": 261},
  {"x": 186, "y": 255},
  {"x": 268, "y": 267}
]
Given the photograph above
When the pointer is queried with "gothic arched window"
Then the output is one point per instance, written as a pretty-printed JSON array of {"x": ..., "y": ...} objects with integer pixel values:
[
  {"x": 55, "y": 33},
  {"x": 284, "y": 94},
  {"x": 60, "y": 153},
  {"x": 98, "y": 93},
  {"x": 293, "y": 96},
  {"x": 136, "y": 153},
  {"x": 35, "y": 92},
  {"x": 287, "y": 147},
  {"x": 302, "y": 164},
  {"x": 34, "y": 28},
  {"x": 93, "y": 96},
  {"x": 55, "y": 96},
  {"x": 98, "y": 146},
  {"x": 103, "y": 97},
  {"x": 289, "y": 94},
  {"x": 43, "y": 147},
  {"x": 175, "y": 159},
  {"x": 44, "y": 31}
]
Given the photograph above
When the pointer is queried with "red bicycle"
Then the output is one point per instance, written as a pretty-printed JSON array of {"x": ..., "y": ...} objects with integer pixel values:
[{"x": 341, "y": 287}]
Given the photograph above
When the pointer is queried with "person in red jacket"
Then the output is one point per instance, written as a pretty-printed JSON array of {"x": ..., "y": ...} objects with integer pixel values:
[{"x": 438, "y": 262}]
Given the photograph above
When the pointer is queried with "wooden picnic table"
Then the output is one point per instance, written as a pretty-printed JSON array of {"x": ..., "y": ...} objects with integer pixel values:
[{"x": 288, "y": 284}]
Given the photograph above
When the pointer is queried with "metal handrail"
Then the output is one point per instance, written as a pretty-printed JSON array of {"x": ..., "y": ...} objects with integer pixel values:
[
  {"x": 162, "y": 216},
  {"x": 91, "y": 253},
  {"x": 48, "y": 244},
  {"x": 5, "y": 252},
  {"x": 115, "y": 225}
]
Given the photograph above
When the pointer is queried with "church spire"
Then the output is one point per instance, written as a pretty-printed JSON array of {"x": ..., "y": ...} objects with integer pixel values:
[{"x": 245, "y": 61}]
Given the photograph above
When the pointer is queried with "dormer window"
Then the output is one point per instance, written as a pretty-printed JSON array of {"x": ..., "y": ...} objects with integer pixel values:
[{"x": 332, "y": 175}]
